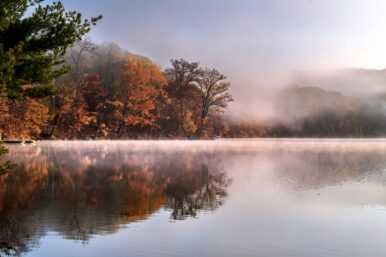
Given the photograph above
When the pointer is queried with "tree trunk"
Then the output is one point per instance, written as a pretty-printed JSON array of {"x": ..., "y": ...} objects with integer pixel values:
[
  {"x": 57, "y": 119},
  {"x": 201, "y": 124}
]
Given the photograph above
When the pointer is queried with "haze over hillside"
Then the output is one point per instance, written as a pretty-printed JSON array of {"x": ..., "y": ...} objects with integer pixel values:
[
  {"x": 257, "y": 44},
  {"x": 365, "y": 83}
]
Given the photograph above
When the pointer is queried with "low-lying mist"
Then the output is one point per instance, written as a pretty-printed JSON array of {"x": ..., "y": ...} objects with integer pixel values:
[{"x": 325, "y": 103}]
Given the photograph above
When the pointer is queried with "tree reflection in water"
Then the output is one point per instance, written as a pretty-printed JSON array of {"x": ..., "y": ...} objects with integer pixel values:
[
  {"x": 80, "y": 192},
  {"x": 205, "y": 193}
]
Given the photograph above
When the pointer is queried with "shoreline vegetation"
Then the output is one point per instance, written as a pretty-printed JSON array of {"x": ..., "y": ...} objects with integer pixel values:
[{"x": 56, "y": 83}]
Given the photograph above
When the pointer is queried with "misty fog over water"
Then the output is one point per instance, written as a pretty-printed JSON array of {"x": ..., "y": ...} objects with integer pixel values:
[{"x": 196, "y": 198}]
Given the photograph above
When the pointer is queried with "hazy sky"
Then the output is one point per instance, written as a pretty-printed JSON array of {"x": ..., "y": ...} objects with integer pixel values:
[{"x": 254, "y": 42}]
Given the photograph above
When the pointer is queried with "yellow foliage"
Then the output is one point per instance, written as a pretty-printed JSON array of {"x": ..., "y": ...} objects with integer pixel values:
[{"x": 189, "y": 126}]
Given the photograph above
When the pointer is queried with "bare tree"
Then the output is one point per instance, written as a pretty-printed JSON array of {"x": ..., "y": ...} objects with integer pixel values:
[
  {"x": 75, "y": 57},
  {"x": 77, "y": 53},
  {"x": 215, "y": 94}
]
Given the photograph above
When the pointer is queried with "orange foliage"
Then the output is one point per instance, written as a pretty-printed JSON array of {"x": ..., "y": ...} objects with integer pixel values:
[
  {"x": 22, "y": 119},
  {"x": 145, "y": 83}
]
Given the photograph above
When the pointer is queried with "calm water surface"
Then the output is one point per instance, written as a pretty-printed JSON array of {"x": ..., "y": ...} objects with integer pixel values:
[{"x": 268, "y": 198}]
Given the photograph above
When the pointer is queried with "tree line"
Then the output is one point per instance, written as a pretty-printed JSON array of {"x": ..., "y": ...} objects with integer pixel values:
[
  {"x": 57, "y": 84},
  {"x": 112, "y": 93}
]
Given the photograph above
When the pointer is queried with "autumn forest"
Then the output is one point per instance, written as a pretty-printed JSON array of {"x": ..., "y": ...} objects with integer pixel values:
[
  {"x": 56, "y": 83},
  {"x": 110, "y": 93}
]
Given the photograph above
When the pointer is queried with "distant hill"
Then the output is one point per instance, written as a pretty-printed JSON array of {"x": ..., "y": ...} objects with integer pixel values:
[
  {"x": 318, "y": 113},
  {"x": 364, "y": 83},
  {"x": 315, "y": 112},
  {"x": 294, "y": 103}
]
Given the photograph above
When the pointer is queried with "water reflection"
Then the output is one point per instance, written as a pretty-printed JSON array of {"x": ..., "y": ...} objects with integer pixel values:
[
  {"x": 283, "y": 198},
  {"x": 80, "y": 192}
]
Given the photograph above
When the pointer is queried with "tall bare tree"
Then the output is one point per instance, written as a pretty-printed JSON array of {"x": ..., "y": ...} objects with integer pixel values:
[
  {"x": 77, "y": 53},
  {"x": 215, "y": 94}
]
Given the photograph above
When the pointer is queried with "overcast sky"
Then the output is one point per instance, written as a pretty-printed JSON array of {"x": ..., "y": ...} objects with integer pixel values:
[{"x": 254, "y": 42}]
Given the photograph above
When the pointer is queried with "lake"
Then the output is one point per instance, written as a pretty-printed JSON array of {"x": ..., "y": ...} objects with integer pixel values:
[{"x": 268, "y": 198}]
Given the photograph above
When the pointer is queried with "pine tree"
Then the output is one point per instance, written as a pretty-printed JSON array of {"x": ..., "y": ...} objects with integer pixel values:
[{"x": 32, "y": 46}]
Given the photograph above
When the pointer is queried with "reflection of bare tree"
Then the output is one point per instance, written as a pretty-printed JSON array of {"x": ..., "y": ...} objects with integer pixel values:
[
  {"x": 74, "y": 229},
  {"x": 206, "y": 193},
  {"x": 87, "y": 191}
]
